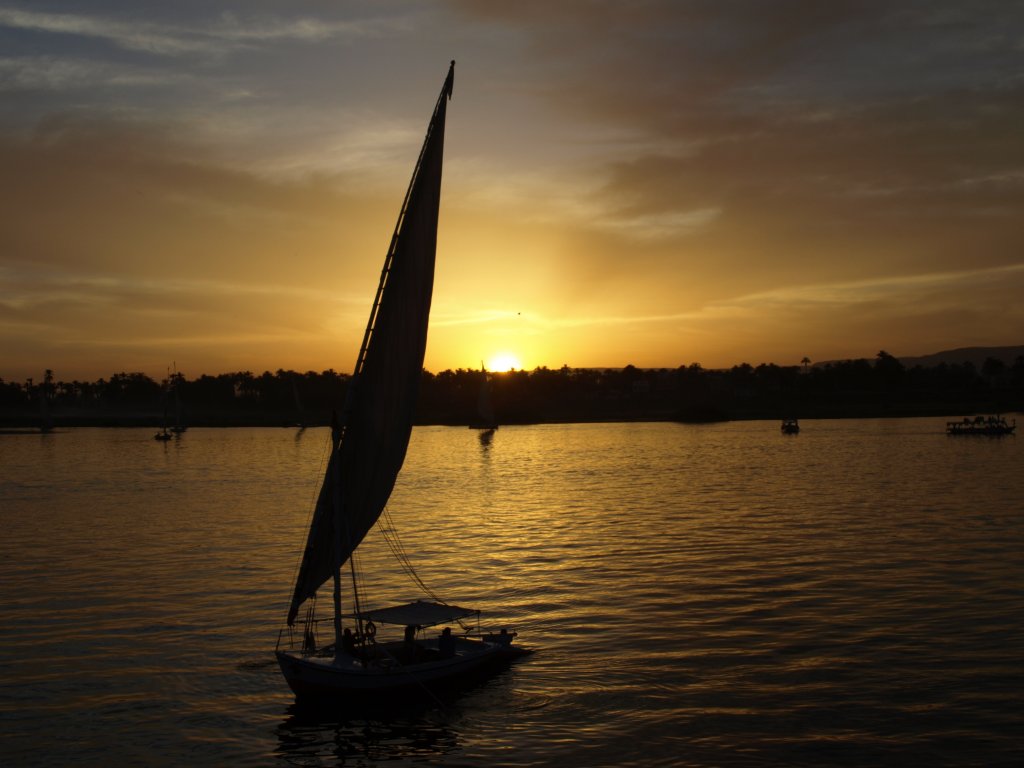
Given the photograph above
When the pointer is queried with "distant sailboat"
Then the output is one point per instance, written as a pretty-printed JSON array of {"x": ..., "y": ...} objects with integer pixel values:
[
  {"x": 45, "y": 418},
  {"x": 300, "y": 412},
  {"x": 179, "y": 418},
  {"x": 163, "y": 435},
  {"x": 484, "y": 408},
  {"x": 368, "y": 448}
]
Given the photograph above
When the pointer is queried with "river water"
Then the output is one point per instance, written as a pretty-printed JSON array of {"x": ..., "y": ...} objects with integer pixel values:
[{"x": 698, "y": 595}]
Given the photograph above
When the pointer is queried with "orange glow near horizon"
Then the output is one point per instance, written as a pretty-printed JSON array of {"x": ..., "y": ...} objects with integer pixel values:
[{"x": 503, "y": 362}]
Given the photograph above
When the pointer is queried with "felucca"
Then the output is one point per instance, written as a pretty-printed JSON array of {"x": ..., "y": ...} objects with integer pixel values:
[{"x": 368, "y": 447}]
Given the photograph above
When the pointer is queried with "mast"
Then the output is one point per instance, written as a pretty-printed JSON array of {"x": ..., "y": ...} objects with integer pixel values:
[{"x": 369, "y": 445}]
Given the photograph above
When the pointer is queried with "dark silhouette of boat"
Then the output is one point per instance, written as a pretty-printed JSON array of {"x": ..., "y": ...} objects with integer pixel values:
[
  {"x": 164, "y": 434},
  {"x": 485, "y": 411},
  {"x": 790, "y": 427},
  {"x": 368, "y": 447},
  {"x": 981, "y": 425}
]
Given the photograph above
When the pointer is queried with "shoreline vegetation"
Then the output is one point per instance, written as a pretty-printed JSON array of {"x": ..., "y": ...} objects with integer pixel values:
[{"x": 882, "y": 387}]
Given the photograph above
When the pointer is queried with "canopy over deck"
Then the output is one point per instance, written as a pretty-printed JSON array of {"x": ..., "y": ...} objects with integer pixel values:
[{"x": 422, "y": 613}]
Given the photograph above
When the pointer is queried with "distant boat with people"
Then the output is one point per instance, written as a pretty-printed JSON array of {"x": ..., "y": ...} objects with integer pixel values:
[
  {"x": 790, "y": 427},
  {"x": 981, "y": 425}
]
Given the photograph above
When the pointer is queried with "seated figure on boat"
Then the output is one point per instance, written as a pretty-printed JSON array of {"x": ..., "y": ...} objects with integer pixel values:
[
  {"x": 446, "y": 643},
  {"x": 412, "y": 651},
  {"x": 348, "y": 642}
]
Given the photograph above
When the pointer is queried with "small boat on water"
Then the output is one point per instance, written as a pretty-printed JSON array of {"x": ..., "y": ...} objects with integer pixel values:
[
  {"x": 485, "y": 411},
  {"x": 45, "y": 419},
  {"x": 180, "y": 427},
  {"x": 981, "y": 425},
  {"x": 164, "y": 434},
  {"x": 368, "y": 447},
  {"x": 790, "y": 427}
]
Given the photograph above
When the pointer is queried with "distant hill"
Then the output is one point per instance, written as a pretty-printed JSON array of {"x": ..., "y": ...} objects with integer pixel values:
[{"x": 976, "y": 355}]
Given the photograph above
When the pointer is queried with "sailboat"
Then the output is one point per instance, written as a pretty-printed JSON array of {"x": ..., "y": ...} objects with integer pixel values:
[
  {"x": 300, "y": 418},
  {"x": 368, "y": 447},
  {"x": 484, "y": 409},
  {"x": 179, "y": 420},
  {"x": 163, "y": 435},
  {"x": 45, "y": 419}
]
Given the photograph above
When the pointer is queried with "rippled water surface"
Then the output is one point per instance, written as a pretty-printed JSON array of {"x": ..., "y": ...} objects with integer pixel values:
[{"x": 699, "y": 595}]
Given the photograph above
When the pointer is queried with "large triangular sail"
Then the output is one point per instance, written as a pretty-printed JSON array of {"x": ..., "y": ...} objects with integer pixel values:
[{"x": 369, "y": 445}]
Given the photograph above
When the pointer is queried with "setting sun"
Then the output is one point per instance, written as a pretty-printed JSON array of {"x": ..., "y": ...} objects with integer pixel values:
[{"x": 502, "y": 362}]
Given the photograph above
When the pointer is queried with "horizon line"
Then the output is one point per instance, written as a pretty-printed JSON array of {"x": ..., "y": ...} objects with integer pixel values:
[{"x": 1018, "y": 348}]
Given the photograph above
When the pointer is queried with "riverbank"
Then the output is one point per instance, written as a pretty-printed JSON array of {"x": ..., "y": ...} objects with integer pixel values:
[{"x": 15, "y": 423}]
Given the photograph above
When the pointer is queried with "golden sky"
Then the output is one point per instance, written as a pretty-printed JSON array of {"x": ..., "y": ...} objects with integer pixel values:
[{"x": 653, "y": 183}]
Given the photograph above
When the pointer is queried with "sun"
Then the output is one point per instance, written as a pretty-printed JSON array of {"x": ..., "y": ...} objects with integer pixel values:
[{"x": 502, "y": 362}]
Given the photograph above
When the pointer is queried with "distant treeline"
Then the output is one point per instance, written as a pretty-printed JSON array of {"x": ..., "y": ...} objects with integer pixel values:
[{"x": 855, "y": 388}]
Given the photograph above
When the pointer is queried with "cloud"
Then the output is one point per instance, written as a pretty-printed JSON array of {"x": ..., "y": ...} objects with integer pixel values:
[
  {"x": 764, "y": 100},
  {"x": 823, "y": 320},
  {"x": 90, "y": 324},
  {"x": 662, "y": 225},
  {"x": 122, "y": 235},
  {"x": 703, "y": 178},
  {"x": 62, "y": 73},
  {"x": 207, "y": 37},
  {"x": 136, "y": 36}
]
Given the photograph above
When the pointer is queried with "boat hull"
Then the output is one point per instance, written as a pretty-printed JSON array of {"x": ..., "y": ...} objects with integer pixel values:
[
  {"x": 981, "y": 425},
  {"x": 326, "y": 677}
]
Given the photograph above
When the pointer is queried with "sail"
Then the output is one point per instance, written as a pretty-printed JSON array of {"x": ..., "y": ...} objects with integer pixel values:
[{"x": 370, "y": 447}]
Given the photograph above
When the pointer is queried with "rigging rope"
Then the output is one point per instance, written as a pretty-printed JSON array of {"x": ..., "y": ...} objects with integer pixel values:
[
  {"x": 394, "y": 542},
  {"x": 324, "y": 457},
  {"x": 391, "y": 538},
  {"x": 358, "y": 586}
]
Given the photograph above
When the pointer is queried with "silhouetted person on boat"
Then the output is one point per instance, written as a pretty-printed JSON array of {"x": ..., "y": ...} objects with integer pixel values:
[
  {"x": 446, "y": 643},
  {"x": 410, "y": 641},
  {"x": 348, "y": 642}
]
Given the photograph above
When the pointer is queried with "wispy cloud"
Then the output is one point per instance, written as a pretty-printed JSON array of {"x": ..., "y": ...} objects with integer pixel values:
[
  {"x": 136, "y": 36},
  {"x": 177, "y": 40},
  {"x": 660, "y": 226},
  {"x": 57, "y": 73},
  {"x": 897, "y": 289},
  {"x": 21, "y": 288},
  {"x": 829, "y": 297}
]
